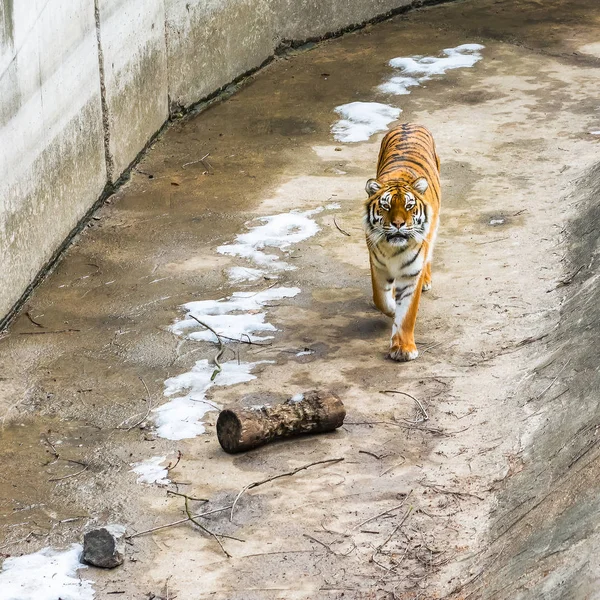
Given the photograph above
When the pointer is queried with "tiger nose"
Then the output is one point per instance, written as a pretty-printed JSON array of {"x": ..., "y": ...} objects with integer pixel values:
[{"x": 398, "y": 223}]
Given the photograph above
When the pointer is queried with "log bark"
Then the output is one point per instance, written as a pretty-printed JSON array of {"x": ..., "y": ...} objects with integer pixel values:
[{"x": 242, "y": 429}]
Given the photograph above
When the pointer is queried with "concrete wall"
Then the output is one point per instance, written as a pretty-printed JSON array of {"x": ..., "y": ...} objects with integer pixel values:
[{"x": 85, "y": 84}]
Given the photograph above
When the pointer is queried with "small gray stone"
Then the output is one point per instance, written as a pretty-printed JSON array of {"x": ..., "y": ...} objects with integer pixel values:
[{"x": 104, "y": 547}]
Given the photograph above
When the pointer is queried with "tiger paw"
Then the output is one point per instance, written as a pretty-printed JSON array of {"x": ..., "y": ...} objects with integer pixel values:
[
  {"x": 400, "y": 355},
  {"x": 426, "y": 286}
]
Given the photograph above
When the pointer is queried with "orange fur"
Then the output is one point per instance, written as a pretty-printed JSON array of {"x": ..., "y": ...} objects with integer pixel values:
[{"x": 401, "y": 220}]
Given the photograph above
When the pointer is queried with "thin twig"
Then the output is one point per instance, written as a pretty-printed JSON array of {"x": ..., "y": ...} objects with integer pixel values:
[
  {"x": 186, "y": 496},
  {"x": 287, "y": 474},
  {"x": 394, "y": 466},
  {"x": 193, "y": 520},
  {"x": 218, "y": 367},
  {"x": 149, "y": 408},
  {"x": 72, "y": 474},
  {"x": 385, "y": 512},
  {"x": 28, "y": 315},
  {"x": 389, "y": 537},
  {"x": 204, "y": 514},
  {"x": 421, "y": 407},
  {"x": 339, "y": 228},
  {"x": 441, "y": 490},
  {"x": 194, "y": 162},
  {"x": 170, "y": 467},
  {"x": 44, "y": 332}
]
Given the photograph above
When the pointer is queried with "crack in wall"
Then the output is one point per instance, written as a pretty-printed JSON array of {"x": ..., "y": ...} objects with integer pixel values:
[{"x": 110, "y": 167}]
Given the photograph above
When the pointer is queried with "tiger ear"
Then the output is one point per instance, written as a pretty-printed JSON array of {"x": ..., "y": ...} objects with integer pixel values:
[
  {"x": 420, "y": 185},
  {"x": 372, "y": 187}
]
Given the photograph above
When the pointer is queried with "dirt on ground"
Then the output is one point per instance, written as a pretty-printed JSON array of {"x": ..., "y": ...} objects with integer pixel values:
[{"x": 492, "y": 494}]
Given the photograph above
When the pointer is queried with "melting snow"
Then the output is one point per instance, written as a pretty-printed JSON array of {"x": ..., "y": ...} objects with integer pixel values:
[
  {"x": 181, "y": 418},
  {"x": 237, "y": 317},
  {"x": 277, "y": 231},
  {"x": 45, "y": 575},
  {"x": 360, "y": 120},
  {"x": 239, "y": 274},
  {"x": 417, "y": 69},
  {"x": 151, "y": 471}
]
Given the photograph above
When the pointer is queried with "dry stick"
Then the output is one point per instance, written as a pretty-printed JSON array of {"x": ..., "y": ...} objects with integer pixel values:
[
  {"x": 421, "y": 407},
  {"x": 288, "y": 474},
  {"x": 218, "y": 368},
  {"x": 149, "y": 403},
  {"x": 339, "y": 228},
  {"x": 383, "y": 513},
  {"x": 72, "y": 474},
  {"x": 204, "y": 514},
  {"x": 189, "y": 514},
  {"x": 44, "y": 332},
  {"x": 394, "y": 466},
  {"x": 28, "y": 315},
  {"x": 389, "y": 537},
  {"x": 186, "y": 496},
  {"x": 196, "y": 161},
  {"x": 441, "y": 490}
]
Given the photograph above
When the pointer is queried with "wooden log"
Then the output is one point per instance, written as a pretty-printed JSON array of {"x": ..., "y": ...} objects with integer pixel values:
[{"x": 242, "y": 429}]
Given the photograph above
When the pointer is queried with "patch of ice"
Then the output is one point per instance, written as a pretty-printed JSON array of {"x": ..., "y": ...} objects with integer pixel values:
[
  {"x": 595, "y": 132},
  {"x": 151, "y": 471},
  {"x": 45, "y": 575},
  {"x": 399, "y": 85},
  {"x": 305, "y": 353},
  {"x": 277, "y": 231},
  {"x": 240, "y": 274},
  {"x": 237, "y": 317},
  {"x": 496, "y": 221},
  {"x": 181, "y": 418},
  {"x": 297, "y": 398},
  {"x": 360, "y": 120},
  {"x": 417, "y": 69}
]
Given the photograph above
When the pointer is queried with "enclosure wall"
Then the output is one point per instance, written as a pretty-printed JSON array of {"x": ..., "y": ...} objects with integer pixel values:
[{"x": 85, "y": 84}]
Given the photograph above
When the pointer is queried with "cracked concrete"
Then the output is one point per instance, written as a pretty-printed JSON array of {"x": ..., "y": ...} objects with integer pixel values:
[{"x": 513, "y": 136}]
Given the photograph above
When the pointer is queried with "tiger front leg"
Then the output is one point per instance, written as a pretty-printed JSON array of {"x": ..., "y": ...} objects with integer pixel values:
[
  {"x": 403, "y": 347},
  {"x": 383, "y": 295}
]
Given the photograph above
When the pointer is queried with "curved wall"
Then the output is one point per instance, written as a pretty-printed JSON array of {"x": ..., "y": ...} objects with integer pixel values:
[{"x": 85, "y": 84}]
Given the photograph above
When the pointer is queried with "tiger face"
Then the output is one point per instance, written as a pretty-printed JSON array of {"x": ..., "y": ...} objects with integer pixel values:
[{"x": 396, "y": 212}]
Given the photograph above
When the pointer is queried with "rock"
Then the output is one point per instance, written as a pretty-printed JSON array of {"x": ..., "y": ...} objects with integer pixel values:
[{"x": 104, "y": 547}]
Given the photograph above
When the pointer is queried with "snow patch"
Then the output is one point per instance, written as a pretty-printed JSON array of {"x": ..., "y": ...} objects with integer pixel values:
[
  {"x": 360, "y": 120},
  {"x": 276, "y": 231},
  {"x": 418, "y": 69},
  {"x": 181, "y": 418},
  {"x": 297, "y": 398},
  {"x": 595, "y": 132},
  {"x": 151, "y": 471},
  {"x": 238, "y": 317},
  {"x": 241, "y": 274},
  {"x": 45, "y": 575}
]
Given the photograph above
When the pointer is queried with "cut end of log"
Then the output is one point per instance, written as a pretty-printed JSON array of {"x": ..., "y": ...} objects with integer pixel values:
[
  {"x": 229, "y": 430},
  {"x": 246, "y": 428}
]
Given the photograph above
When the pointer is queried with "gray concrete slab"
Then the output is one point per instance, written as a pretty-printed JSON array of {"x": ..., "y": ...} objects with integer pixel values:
[
  {"x": 486, "y": 497},
  {"x": 52, "y": 166}
]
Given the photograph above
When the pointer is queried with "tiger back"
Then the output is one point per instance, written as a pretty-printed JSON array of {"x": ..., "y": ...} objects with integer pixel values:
[{"x": 401, "y": 221}]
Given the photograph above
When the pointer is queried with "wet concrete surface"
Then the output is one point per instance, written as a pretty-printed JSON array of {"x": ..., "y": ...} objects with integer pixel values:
[{"x": 513, "y": 136}]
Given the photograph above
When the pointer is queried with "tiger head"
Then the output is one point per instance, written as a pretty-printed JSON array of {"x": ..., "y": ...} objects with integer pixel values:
[{"x": 395, "y": 211}]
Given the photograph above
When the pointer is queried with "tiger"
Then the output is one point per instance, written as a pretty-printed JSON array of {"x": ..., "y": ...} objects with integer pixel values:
[{"x": 401, "y": 219}]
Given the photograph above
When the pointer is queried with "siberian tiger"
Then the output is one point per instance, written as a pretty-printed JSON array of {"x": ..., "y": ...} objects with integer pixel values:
[{"x": 401, "y": 221}]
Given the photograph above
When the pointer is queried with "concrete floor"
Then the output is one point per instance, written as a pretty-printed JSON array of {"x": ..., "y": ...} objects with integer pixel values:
[{"x": 513, "y": 133}]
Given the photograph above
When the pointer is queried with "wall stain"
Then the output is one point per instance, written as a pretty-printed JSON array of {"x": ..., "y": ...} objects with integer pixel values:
[{"x": 6, "y": 23}]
